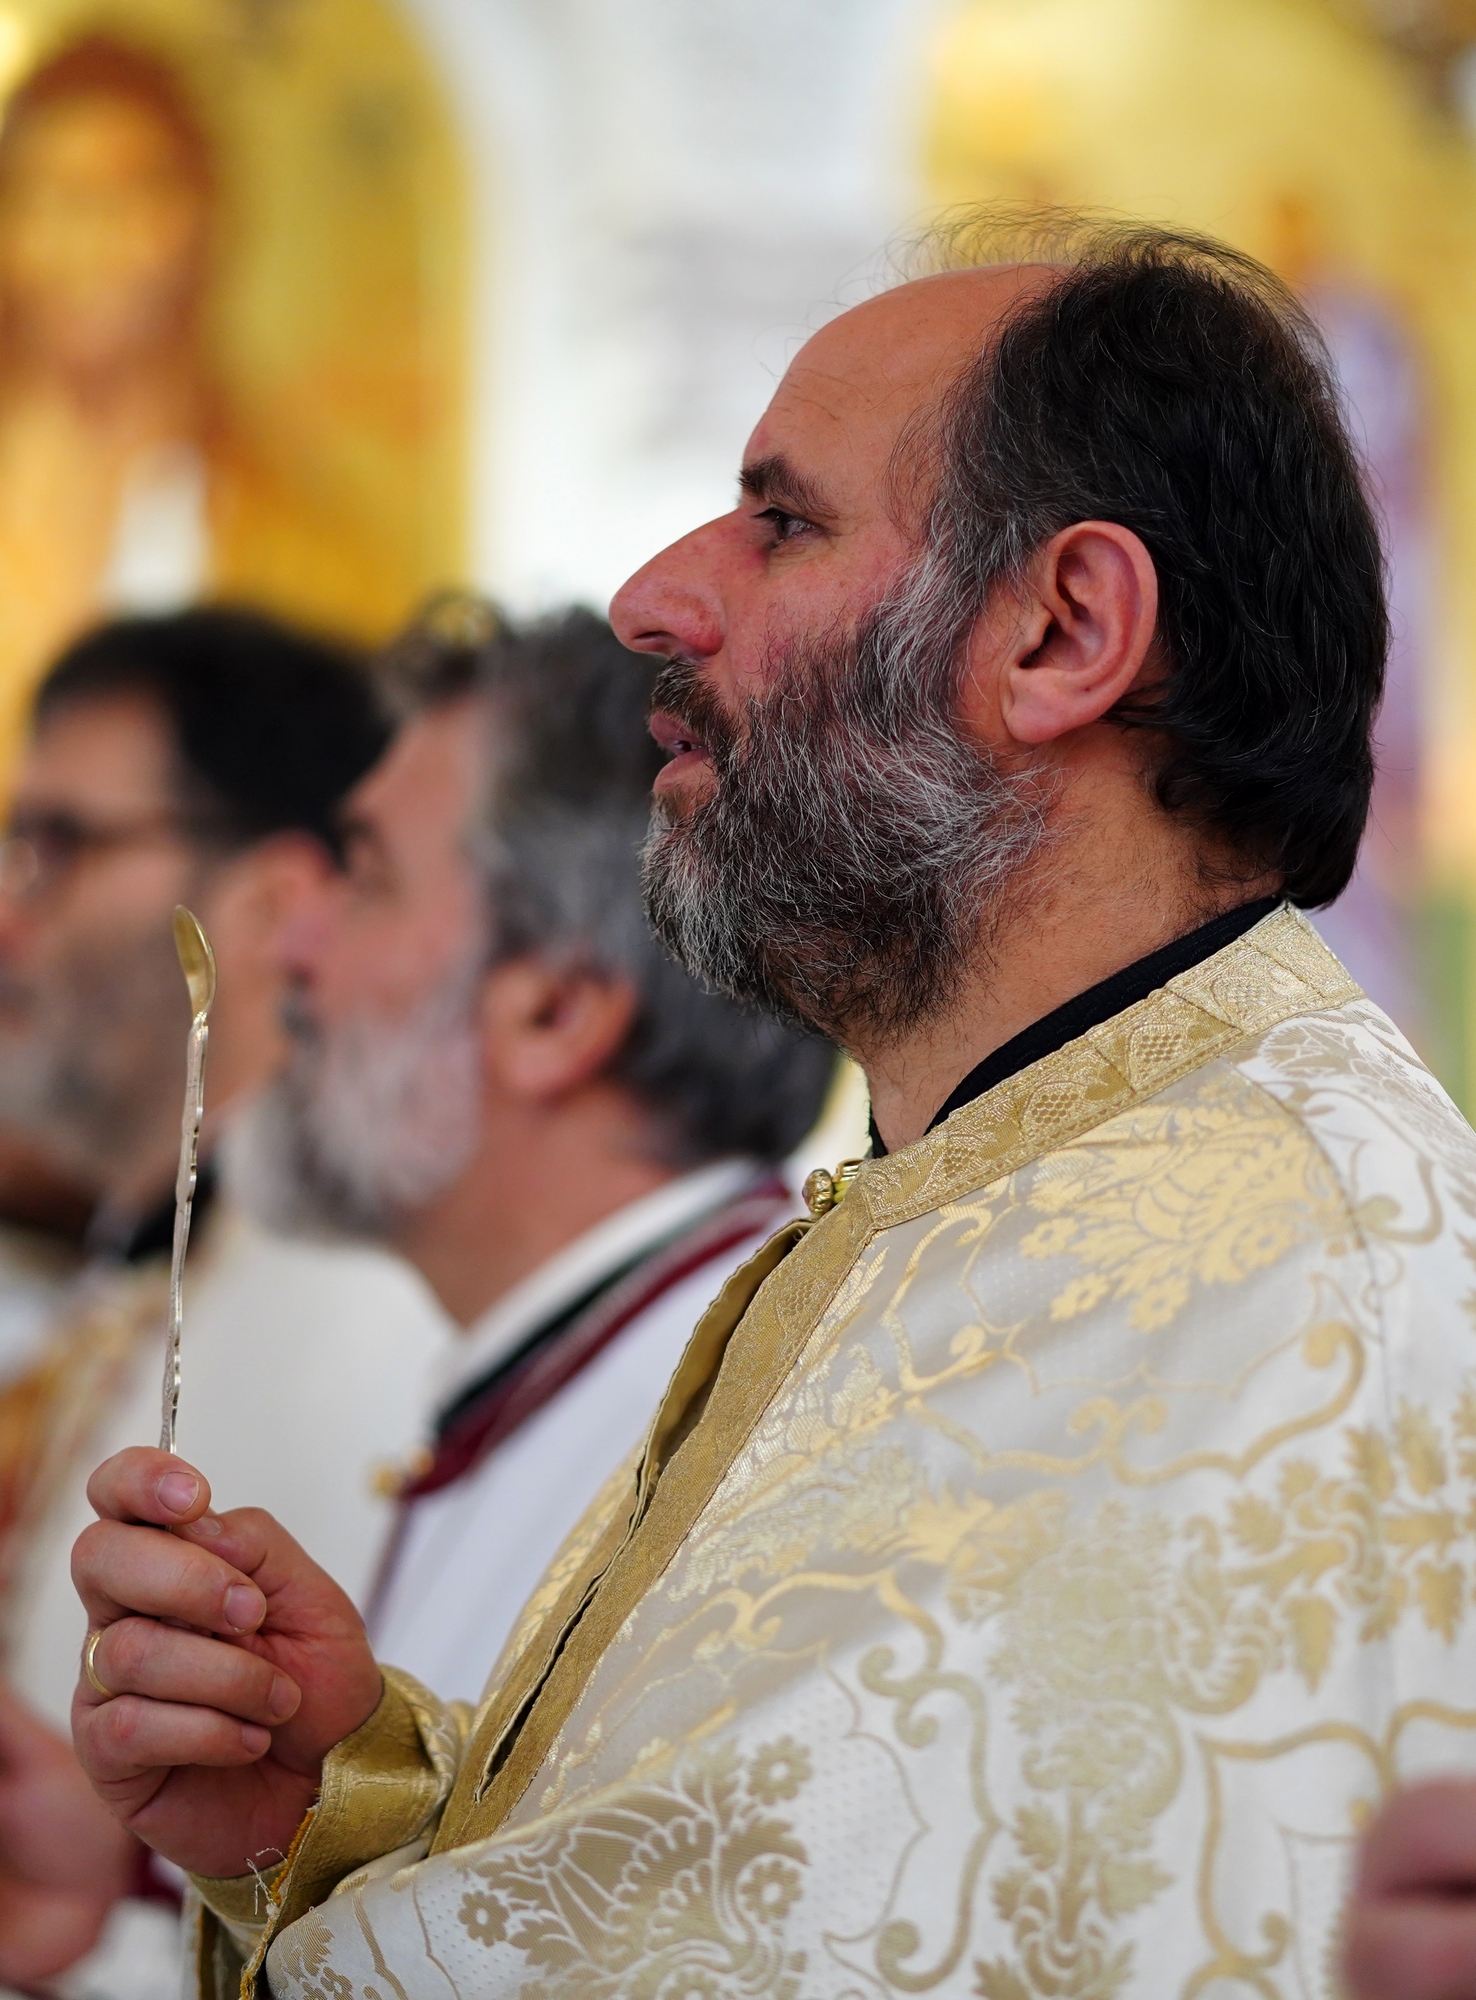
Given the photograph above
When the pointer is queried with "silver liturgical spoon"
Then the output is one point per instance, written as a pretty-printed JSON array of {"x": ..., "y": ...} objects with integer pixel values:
[{"x": 197, "y": 962}]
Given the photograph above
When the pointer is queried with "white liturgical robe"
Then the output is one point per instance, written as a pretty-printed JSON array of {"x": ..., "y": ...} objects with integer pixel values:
[
  {"x": 469, "y": 1552},
  {"x": 1040, "y": 1566}
]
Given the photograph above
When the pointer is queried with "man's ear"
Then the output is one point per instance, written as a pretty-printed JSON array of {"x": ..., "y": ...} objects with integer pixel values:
[
  {"x": 1054, "y": 653},
  {"x": 548, "y": 1028}
]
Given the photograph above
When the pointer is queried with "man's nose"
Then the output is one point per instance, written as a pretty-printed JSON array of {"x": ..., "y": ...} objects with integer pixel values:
[
  {"x": 672, "y": 606},
  {"x": 305, "y": 931}
]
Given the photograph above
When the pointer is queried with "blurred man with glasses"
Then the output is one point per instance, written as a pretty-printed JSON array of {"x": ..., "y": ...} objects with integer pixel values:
[{"x": 197, "y": 758}]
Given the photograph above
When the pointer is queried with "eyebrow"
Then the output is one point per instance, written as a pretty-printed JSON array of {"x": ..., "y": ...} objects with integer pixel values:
[{"x": 779, "y": 483}]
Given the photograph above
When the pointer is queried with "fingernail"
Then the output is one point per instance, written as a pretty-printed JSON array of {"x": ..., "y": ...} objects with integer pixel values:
[
  {"x": 243, "y": 1607},
  {"x": 178, "y": 1491},
  {"x": 255, "y": 1738},
  {"x": 208, "y": 1524},
  {"x": 283, "y": 1698}
]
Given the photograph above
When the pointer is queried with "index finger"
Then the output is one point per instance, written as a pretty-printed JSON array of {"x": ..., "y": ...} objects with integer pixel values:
[{"x": 142, "y": 1484}]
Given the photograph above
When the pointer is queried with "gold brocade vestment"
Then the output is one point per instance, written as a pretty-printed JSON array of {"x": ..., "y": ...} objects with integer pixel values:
[{"x": 1029, "y": 1593}]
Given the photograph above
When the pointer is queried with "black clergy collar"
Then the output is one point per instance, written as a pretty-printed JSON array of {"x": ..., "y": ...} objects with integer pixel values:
[{"x": 1098, "y": 1004}]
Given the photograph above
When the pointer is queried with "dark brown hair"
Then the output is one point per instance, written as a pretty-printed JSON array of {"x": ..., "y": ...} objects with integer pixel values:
[{"x": 1169, "y": 383}]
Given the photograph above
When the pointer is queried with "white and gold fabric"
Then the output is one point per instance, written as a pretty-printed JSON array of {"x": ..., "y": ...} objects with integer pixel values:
[{"x": 1037, "y": 1571}]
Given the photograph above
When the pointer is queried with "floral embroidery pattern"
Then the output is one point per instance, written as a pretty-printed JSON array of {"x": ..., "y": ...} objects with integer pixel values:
[
  {"x": 684, "y": 1889},
  {"x": 483, "y": 1917},
  {"x": 1117, "y": 1631},
  {"x": 303, "y": 1953},
  {"x": 1204, "y": 1193},
  {"x": 777, "y": 1770}
]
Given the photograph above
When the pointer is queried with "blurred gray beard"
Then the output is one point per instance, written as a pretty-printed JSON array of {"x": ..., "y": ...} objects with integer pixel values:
[
  {"x": 855, "y": 849},
  {"x": 365, "y": 1124},
  {"x": 96, "y": 1069}
]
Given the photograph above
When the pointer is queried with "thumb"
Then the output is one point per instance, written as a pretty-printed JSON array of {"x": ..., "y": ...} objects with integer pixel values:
[{"x": 141, "y": 1484}]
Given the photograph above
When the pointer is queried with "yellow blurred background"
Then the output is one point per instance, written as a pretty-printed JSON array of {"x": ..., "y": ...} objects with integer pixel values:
[{"x": 231, "y": 266}]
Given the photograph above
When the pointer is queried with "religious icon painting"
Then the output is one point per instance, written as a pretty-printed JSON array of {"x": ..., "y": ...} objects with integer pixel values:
[{"x": 231, "y": 318}]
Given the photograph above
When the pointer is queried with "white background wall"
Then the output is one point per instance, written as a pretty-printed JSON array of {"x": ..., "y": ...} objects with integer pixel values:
[{"x": 670, "y": 193}]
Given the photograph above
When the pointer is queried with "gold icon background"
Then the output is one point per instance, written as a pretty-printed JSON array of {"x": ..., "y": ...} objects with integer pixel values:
[{"x": 232, "y": 276}]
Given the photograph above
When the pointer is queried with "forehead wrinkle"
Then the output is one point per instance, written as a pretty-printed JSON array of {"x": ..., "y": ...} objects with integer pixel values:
[{"x": 840, "y": 394}]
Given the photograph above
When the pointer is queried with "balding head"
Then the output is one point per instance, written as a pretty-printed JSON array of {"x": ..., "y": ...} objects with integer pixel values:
[
  {"x": 828, "y": 489},
  {"x": 888, "y": 356},
  {"x": 1126, "y": 502},
  {"x": 868, "y": 382}
]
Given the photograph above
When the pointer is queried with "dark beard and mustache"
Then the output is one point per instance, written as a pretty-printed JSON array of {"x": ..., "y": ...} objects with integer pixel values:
[{"x": 847, "y": 863}]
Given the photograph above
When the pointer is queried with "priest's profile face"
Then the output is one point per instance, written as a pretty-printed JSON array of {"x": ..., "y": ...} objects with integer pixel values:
[
  {"x": 983, "y": 646},
  {"x": 814, "y": 847}
]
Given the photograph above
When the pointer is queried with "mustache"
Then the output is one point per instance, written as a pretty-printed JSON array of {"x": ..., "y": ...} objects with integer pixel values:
[
  {"x": 680, "y": 689},
  {"x": 297, "y": 1020}
]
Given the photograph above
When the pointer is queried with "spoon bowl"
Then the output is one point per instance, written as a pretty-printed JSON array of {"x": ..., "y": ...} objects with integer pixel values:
[{"x": 196, "y": 960}]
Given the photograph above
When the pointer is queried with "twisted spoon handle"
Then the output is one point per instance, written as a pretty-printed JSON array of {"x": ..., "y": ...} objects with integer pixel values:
[
  {"x": 197, "y": 963},
  {"x": 184, "y": 1201}
]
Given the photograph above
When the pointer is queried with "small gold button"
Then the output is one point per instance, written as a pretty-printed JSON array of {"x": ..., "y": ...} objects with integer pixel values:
[
  {"x": 823, "y": 1189},
  {"x": 389, "y": 1480}
]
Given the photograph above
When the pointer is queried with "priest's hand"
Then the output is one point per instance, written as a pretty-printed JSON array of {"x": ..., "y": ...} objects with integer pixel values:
[
  {"x": 232, "y": 1664},
  {"x": 64, "y": 1861},
  {"x": 1411, "y": 1925}
]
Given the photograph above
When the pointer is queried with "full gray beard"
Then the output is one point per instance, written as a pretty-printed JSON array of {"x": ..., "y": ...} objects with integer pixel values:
[
  {"x": 96, "y": 1070},
  {"x": 855, "y": 849},
  {"x": 365, "y": 1125}
]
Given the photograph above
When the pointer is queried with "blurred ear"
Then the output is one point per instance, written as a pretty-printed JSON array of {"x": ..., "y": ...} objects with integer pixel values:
[
  {"x": 254, "y": 895},
  {"x": 1054, "y": 653},
  {"x": 548, "y": 1029}
]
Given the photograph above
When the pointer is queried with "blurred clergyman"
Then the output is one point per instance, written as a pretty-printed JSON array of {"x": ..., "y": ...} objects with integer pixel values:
[
  {"x": 196, "y": 758},
  {"x": 498, "y": 1070}
]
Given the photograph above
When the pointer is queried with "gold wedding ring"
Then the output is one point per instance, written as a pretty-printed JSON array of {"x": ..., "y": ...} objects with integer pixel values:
[{"x": 89, "y": 1655}]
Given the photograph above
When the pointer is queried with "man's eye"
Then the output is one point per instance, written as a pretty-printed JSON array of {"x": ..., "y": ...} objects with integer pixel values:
[{"x": 786, "y": 526}]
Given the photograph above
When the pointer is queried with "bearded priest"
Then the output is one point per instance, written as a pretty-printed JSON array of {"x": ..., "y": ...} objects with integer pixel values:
[{"x": 1045, "y": 1557}]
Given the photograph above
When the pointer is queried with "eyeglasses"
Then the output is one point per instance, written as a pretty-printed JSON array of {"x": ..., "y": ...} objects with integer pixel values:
[{"x": 40, "y": 851}]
